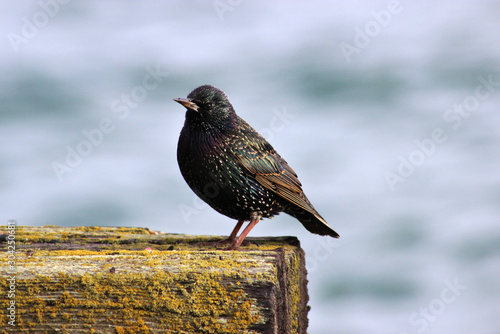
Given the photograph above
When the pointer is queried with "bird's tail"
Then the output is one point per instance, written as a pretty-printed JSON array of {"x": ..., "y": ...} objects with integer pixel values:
[{"x": 312, "y": 221}]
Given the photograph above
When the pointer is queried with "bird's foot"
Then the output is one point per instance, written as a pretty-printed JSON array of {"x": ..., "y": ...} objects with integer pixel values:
[
  {"x": 235, "y": 246},
  {"x": 224, "y": 242},
  {"x": 218, "y": 243}
]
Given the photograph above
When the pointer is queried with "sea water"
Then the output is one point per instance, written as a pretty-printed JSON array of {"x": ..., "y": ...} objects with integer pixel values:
[{"x": 387, "y": 110}]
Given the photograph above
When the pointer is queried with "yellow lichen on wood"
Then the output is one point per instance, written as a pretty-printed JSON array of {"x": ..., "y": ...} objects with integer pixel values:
[{"x": 120, "y": 280}]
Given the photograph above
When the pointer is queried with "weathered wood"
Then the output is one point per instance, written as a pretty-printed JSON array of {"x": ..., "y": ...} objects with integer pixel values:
[{"x": 129, "y": 280}]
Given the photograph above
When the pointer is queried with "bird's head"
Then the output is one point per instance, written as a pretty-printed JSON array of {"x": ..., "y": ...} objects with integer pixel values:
[{"x": 209, "y": 106}]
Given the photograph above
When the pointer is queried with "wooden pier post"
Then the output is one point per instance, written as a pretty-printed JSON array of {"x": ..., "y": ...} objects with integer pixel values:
[{"x": 132, "y": 280}]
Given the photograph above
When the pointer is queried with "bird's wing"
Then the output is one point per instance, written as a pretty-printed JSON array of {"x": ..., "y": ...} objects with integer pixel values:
[{"x": 261, "y": 161}]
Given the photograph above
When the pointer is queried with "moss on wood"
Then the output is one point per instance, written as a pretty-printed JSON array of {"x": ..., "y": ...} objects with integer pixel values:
[{"x": 132, "y": 280}]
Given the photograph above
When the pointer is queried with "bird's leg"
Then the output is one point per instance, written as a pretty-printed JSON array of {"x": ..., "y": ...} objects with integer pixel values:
[
  {"x": 236, "y": 243},
  {"x": 232, "y": 237},
  {"x": 229, "y": 240},
  {"x": 235, "y": 230}
]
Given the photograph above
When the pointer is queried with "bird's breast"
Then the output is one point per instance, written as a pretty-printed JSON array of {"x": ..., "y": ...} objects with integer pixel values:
[{"x": 215, "y": 175}]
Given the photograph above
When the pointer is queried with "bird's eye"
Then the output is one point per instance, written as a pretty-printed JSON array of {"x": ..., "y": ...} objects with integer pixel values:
[{"x": 209, "y": 105}]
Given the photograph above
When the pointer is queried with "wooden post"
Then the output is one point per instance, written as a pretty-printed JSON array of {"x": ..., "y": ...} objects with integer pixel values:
[{"x": 132, "y": 280}]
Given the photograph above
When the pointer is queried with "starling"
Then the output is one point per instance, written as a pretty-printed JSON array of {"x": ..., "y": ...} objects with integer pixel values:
[{"x": 235, "y": 170}]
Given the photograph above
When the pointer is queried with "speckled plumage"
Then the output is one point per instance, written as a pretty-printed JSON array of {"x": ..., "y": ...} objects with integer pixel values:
[{"x": 235, "y": 170}]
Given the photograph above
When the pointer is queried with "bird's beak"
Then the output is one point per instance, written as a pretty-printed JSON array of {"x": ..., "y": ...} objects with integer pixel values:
[{"x": 187, "y": 103}]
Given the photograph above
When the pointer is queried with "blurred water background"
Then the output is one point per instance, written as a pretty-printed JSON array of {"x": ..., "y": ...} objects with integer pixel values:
[{"x": 388, "y": 112}]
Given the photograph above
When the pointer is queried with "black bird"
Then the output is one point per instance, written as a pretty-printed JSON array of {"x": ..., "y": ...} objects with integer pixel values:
[{"x": 235, "y": 170}]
